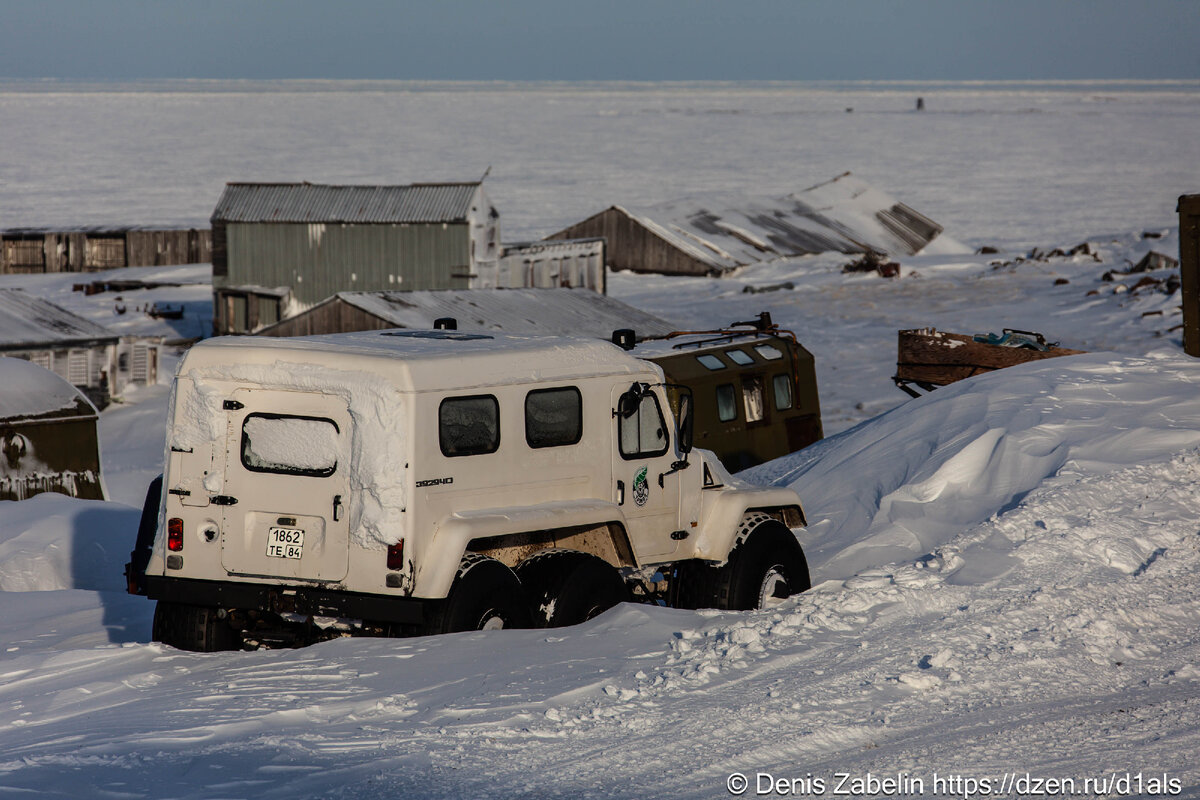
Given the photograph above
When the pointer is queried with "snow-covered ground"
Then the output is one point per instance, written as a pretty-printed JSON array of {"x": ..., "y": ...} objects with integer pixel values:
[{"x": 1005, "y": 569}]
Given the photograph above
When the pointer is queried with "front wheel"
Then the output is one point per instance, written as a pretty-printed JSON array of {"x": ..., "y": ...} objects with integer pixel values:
[
  {"x": 764, "y": 570},
  {"x": 485, "y": 595}
]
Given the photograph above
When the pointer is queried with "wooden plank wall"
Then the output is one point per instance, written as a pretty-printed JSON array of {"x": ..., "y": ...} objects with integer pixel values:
[
  {"x": 86, "y": 251},
  {"x": 634, "y": 247}
]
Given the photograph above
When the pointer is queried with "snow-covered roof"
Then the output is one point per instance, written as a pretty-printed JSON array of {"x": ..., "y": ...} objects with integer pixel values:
[
  {"x": 844, "y": 215},
  {"x": 411, "y": 360},
  {"x": 311, "y": 202},
  {"x": 28, "y": 321},
  {"x": 27, "y": 390},
  {"x": 562, "y": 312}
]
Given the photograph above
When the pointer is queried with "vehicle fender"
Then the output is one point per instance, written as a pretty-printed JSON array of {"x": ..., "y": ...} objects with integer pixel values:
[
  {"x": 441, "y": 557},
  {"x": 725, "y": 508}
]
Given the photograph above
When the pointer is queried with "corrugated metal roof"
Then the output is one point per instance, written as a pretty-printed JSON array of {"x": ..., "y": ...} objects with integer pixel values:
[
  {"x": 29, "y": 320},
  {"x": 311, "y": 202},
  {"x": 842, "y": 215},
  {"x": 559, "y": 312}
]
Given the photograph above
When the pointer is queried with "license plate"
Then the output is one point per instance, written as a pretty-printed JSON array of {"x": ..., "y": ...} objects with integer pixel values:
[{"x": 285, "y": 542}]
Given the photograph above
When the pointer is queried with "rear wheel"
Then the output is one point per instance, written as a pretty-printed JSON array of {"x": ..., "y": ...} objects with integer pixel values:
[
  {"x": 195, "y": 628},
  {"x": 485, "y": 595},
  {"x": 566, "y": 587}
]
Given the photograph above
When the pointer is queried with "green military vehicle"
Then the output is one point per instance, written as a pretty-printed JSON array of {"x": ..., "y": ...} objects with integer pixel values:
[{"x": 754, "y": 384}]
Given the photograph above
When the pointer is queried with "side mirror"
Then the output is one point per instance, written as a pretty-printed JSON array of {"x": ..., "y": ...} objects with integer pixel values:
[
  {"x": 627, "y": 404},
  {"x": 686, "y": 423}
]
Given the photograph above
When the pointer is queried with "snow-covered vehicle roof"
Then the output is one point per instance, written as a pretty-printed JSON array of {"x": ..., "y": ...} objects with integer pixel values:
[{"x": 420, "y": 360}]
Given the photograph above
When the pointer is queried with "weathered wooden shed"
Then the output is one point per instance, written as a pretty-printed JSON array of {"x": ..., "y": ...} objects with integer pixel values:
[
  {"x": 562, "y": 311},
  {"x": 93, "y": 358},
  {"x": 572, "y": 263},
  {"x": 280, "y": 248},
  {"x": 715, "y": 234},
  {"x": 48, "y": 435},
  {"x": 37, "y": 250}
]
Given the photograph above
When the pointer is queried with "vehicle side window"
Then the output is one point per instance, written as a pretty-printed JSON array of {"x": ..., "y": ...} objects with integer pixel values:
[
  {"x": 644, "y": 433},
  {"x": 783, "y": 392},
  {"x": 553, "y": 417},
  {"x": 753, "y": 399},
  {"x": 726, "y": 403},
  {"x": 290, "y": 445},
  {"x": 469, "y": 426}
]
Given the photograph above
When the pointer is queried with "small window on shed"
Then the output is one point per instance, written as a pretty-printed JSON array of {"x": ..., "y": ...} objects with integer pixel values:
[
  {"x": 726, "y": 403},
  {"x": 469, "y": 426},
  {"x": 739, "y": 357},
  {"x": 290, "y": 445},
  {"x": 769, "y": 352},
  {"x": 783, "y": 392},
  {"x": 553, "y": 417},
  {"x": 712, "y": 362}
]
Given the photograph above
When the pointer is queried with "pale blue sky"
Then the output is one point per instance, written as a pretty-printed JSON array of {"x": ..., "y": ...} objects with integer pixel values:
[{"x": 605, "y": 40}]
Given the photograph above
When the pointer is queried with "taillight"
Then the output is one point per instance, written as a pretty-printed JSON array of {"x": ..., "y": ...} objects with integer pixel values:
[
  {"x": 395, "y": 558},
  {"x": 175, "y": 534}
]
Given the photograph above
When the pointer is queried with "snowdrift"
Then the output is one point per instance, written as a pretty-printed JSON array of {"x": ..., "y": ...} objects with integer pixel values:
[{"x": 896, "y": 487}]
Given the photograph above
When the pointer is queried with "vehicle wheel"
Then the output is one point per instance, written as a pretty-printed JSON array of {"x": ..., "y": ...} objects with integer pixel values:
[
  {"x": 566, "y": 587},
  {"x": 195, "y": 628},
  {"x": 765, "y": 569},
  {"x": 485, "y": 595}
]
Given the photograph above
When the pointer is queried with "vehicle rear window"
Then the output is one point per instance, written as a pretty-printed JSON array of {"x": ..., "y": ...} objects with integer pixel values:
[
  {"x": 290, "y": 445},
  {"x": 469, "y": 426},
  {"x": 553, "y": 417}
]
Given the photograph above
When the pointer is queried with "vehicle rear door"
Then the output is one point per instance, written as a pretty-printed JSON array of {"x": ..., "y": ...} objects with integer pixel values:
[{"x": 286, "y": 488}]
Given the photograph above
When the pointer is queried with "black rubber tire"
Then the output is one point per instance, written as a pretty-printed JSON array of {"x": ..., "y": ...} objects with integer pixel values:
[
  {"x": 769, "y": 552},
  {"x": 485, "y": 595},
  {"x": 195, "y": 628},
  {"x": 566, "y": 587},
  {"x": 770, "y": 548}
]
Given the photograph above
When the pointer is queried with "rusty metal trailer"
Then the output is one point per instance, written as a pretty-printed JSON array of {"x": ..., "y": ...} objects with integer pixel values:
[{"x": 928, "y": 358}]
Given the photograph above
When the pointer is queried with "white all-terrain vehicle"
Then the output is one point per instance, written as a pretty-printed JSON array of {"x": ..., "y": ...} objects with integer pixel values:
[{"x": 400, "y": 482}]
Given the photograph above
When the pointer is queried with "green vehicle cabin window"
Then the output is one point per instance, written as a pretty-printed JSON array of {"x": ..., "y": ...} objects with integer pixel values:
[
  {"x": 290, "y": 445},
  {"x": 739, "y": 357},
  {"x": 469, "y": 426},
  {"x": 783, "y": 392},
  {"x": 726, "y": 403},
  {"x": 753, "y": 399},
  {"x": 643, "y": 433},
  {"x": 712, "y": 362},
  {"x": 553, "y": 417},
  {"x": 768, "y": 352}
]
